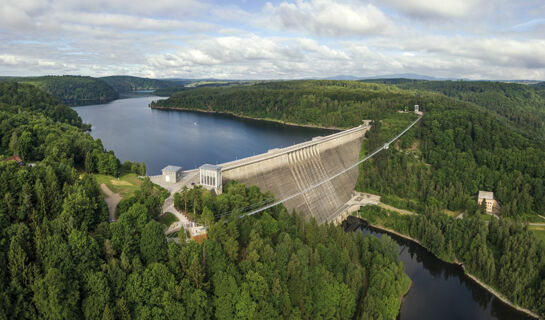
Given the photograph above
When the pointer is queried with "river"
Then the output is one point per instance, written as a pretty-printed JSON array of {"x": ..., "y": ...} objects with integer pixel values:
[
  {"x": 160, "y": 137},
  {"x": 188, "y": 139},
  {"x": 441, "y": 290}
]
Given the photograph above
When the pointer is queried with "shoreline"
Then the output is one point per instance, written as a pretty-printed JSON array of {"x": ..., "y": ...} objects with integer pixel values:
[
  {"x": 481, "y": 283},
  {"x": 292, "y": 124}
]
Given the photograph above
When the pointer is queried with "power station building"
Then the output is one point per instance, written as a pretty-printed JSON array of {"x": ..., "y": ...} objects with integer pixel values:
[{"x": 210, "y": 177}]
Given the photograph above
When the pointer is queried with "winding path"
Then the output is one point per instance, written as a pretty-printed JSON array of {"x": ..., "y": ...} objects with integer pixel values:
[{"x": 112, "y": 199}]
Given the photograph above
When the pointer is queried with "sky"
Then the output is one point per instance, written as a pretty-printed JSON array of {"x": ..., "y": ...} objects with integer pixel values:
[{"x": 287, "y": 39}]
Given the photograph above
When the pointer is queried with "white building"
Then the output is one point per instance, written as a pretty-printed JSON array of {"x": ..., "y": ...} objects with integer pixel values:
[
  {"x": 172, "y": 174},
  {"x": 488, "y": 198},
  {"x": 210, "y": 177},
  {"x": 416, "y": 108}
]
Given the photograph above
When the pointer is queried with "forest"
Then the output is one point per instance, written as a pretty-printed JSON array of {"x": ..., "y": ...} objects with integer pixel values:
[
  {"x": 340, "y": 104},
  {"x": 124, "y": 84},
  {"x": 61, "y": 259},
  {"x": 74, "y": 90},
  {"x": 520, "y": 104}
]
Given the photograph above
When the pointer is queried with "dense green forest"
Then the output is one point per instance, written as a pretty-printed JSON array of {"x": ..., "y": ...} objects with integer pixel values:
[
  {"x": 321, "y": 103},
  {"x": 74, "y": 90},
  {"x": 520, "y": 104},
  {"x": 61, "y": 259},
  {"x": 15, "y": 96},
  {"x": 501, "y": 253},
  {"x": 127, "y": 83}
]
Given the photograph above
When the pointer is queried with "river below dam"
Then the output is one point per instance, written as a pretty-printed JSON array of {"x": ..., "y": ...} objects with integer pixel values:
[
  {"x": 160, "y": 137},
  {"x": 441, "y": 290}
]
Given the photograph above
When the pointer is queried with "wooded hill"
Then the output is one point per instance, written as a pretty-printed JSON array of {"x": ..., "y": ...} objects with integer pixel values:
[
  {"x": 61, "y": 259},
  {"x": 74, "y": 90},
  {"x": 520, "y": 104},
  {"x": 124, "y": 84}
]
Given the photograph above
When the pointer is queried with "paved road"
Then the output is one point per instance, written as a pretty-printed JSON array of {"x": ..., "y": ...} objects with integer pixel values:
[{"x": 112, "y": 199}]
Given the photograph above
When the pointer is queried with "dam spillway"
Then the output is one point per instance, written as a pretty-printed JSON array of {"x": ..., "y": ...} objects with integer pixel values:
[{"x": 292, "y": 169}]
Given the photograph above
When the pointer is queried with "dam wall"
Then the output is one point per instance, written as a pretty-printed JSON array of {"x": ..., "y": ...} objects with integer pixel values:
[{"x": 290, "y": 170}]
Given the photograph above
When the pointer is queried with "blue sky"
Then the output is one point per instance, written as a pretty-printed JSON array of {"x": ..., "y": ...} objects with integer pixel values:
[{"x": 475, "y": 39}]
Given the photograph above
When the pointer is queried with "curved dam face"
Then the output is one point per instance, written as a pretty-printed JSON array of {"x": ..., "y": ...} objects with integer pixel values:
[{"x": 290, "y": 170}]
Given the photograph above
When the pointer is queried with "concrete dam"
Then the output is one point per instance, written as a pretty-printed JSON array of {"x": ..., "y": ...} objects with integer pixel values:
[{"x": 293, "y": 169}]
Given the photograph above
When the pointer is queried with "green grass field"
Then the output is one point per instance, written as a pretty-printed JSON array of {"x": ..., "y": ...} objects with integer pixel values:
[
  {"x": 167, "y": 219},
  {"x": 538, "y": 231},
  {"x": 125, "y": 185}
]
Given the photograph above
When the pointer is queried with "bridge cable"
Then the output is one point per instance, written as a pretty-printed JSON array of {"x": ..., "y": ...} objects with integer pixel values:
[{"x": 385, "y": 146}]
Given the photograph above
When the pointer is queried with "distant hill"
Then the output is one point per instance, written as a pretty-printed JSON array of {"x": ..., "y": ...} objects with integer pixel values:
[
  {"x": 128, "y": 83},
  {"x": 73, "y": 90},
  {"x": 391, "y": 76},
  {"x": 520, "y": 104}
]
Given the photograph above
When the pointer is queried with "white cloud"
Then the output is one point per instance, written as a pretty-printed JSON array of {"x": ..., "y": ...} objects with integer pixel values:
[
  {"x": 435, "y": 9},
  {"x": 329, "y": 18}
]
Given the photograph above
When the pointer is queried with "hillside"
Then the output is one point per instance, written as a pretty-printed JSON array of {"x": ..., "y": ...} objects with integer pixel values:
[
  {"x": 124, "y": 84},
  {"x": 20, "y": 96},
  {"x": 74, "y": 90},
  {"x": 321, "y": 103},
  {"x": 520, "y": 104}
]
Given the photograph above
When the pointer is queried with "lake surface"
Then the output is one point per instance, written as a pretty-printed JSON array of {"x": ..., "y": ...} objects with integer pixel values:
[
  {"x": 440, "y": 290},
  {"x": 188, "y": 139}
]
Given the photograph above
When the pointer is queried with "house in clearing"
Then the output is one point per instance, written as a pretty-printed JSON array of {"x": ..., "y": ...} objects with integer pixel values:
[
  {"x": 491, "y": 203},
  {"x": 15, "y": 158}
]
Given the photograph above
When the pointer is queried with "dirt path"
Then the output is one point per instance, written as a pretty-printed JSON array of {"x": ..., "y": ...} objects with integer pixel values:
[
  {"x": 388, "y": 207},
  {"x": 112, "y": 199}
]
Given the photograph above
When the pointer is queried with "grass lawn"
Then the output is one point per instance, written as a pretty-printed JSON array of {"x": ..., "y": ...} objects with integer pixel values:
[
  {"x": 125, "y": 185},
  {"x": 538, "y": 231},
  {"x": 451, "y": 213},
  {"x": 167, "y": 219}
]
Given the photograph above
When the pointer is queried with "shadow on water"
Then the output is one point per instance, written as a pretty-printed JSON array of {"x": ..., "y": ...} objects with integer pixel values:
[{"x": 440, "y": 290}]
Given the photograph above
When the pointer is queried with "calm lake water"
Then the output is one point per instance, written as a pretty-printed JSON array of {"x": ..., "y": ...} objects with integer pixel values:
[
  {"x": 188, "y": 139},
  {"x": 440, "y": 290}
]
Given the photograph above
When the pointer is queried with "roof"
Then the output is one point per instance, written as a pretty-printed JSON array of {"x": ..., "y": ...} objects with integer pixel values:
[
  {"x": 172, "y": 168},
  {"x": 16, "y": 158},
  {"x": 488, "y": 195},
  {"x": 210, "y": 167}
]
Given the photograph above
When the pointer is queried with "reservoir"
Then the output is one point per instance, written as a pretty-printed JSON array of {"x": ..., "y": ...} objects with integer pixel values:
[{"x": 160, "y": 137}]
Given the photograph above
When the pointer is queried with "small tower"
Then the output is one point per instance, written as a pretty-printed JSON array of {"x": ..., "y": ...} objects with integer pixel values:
[{"x": 416, "y": 108}]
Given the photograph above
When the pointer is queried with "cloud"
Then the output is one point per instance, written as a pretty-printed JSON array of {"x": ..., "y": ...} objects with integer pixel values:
[
  {"x": 282, "y": 39},
  {"x": 329, "y": 18},
  {"x": 435, "y": 9}
]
